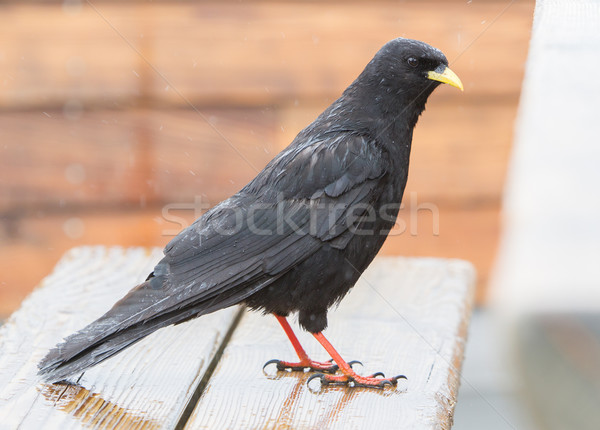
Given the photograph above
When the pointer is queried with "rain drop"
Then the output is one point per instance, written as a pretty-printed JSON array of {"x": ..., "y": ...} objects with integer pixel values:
[
  {"x": 75, "y": 173},
  {"x": 74, "y": 228}
]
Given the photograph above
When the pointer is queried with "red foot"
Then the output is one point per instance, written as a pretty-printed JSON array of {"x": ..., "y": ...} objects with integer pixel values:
[
  {"x": 318, "y": 366},
  {"x": 355, "y": 380},
  {"x": 348, "y": 376}
]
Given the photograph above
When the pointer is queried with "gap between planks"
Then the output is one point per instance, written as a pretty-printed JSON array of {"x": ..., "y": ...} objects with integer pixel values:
[
  {"x": 148, "y": 385},
  {"x": 124, "y": 392},
  {"x": 189, "y": 408}
]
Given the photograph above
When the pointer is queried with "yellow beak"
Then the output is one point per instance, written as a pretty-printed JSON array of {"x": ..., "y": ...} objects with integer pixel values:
[{"x": 446, "y": 77}]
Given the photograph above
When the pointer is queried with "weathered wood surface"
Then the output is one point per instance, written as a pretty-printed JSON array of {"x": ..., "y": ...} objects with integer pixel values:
[
  {"x": 287, "y": 50},
  {"x": 155, "y": 156},
  {"x": 548, "y": 257},
  {"x": 547, "y": 274},
  {"x": 406, "y": 316},
  {"x": 130, "y": 158},
  {"x": 144, "y": 387}
]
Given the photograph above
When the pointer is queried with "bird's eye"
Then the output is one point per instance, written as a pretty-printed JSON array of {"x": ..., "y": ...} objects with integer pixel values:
[{"x": 412, "y": 62}]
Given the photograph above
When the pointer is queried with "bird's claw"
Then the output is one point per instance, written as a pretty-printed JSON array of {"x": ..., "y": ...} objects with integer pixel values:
[
  {"x": 326, "y": 374},
  {"x": 321, "y": 376},
  {"x": 353, "y": 362},
  {"x": 274, "y": 361},
  {"x": 395, "y": 378}
]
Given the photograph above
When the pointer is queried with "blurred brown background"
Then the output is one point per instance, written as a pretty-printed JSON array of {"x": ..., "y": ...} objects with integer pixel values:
[{"x": 118, "y": 117}]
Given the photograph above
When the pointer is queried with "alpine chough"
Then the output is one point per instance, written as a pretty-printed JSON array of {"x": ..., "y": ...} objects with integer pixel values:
[{"x": 298, "y": 236}]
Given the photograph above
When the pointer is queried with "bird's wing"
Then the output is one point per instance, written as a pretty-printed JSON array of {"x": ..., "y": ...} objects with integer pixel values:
[
  {"x": 305, "y": 198},
  {"x": 286, "y": 213},
  {"x": 238, "y": 247}
]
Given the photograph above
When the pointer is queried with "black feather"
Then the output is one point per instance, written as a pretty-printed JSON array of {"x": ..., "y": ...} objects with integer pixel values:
[{"x": 292, "y": 239}]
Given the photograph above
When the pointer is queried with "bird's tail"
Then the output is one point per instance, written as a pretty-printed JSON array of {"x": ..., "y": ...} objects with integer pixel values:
[{"x": 129, "y": 321}]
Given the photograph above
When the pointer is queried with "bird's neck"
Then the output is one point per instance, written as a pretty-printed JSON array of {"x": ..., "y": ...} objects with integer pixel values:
[{"x": 379, "y": 109}]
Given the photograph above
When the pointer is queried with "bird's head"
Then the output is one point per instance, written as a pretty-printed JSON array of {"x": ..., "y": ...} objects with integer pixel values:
[
  {"x": 404, "y": 72},
  {"x": 406, "y": 63}
]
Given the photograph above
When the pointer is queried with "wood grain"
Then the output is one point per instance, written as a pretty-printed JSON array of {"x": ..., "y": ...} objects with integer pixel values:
[
  {"x": 147, "y": 386},
  {"x": 404, "y": 316},
  {"x": 460, "y": 147},
  {"x": 548, "y": 259},
  {"x": 141, "y": 157},
  {"x": 257, "y": 52},
  {"x": 129, "y": 158}
]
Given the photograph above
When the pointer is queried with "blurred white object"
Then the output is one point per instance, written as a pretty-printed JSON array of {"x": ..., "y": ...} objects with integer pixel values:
[{"x": 549, "y": 257}]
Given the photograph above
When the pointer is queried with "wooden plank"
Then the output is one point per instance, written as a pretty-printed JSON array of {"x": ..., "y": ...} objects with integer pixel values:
[
  {"x": 460, "y": 152},
  {"x": 60, "y": 53},
  {"x": 31, "y": 247},
  {"x": 454, "y": 142},
  {"x": 549, "y": 252},
  {"x": 141, "y": 157},
  {"x": 109, "y": 157},
  {"x": 428, "y": 230},
  {"x": 298, "y": 49},
  {"x": 258, "y": 52},
  {"x": 147, "y": 386},
  {"x": 545, "y": 287},
  {"x": 405, "y": 316}
]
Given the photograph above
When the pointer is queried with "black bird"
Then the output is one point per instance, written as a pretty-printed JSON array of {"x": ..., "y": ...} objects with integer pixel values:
[{"x": 299, "y": 235}]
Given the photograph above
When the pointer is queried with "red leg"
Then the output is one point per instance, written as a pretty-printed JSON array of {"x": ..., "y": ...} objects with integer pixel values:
[
  {"x": 305, "y": 362},
  {"x": 348, "y": 375}
]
